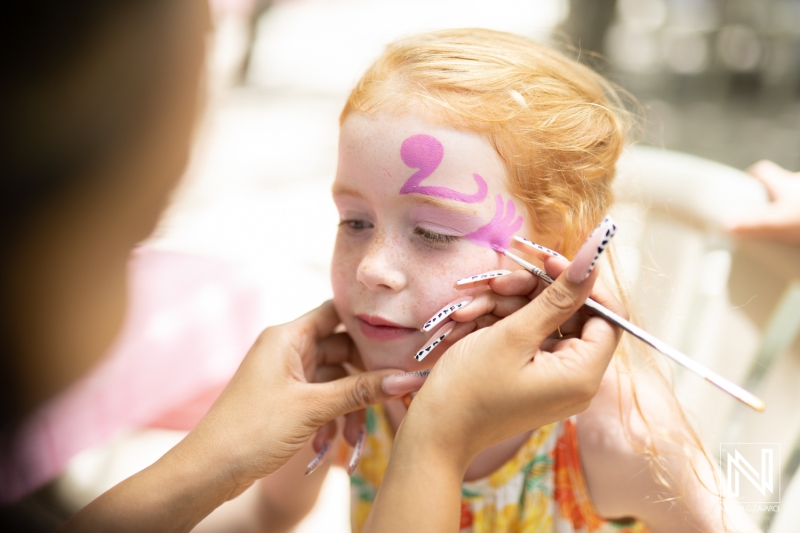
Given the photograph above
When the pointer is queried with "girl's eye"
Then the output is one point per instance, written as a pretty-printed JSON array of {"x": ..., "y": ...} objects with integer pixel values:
[
  {"x": 355, "y": 224},
  {"x": 436, "y": 239}
]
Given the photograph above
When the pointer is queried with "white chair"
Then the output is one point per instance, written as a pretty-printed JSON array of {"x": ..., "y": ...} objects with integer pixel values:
[{"x": 732, "y": 304}]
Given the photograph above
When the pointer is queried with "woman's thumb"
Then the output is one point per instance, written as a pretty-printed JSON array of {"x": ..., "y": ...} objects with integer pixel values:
[
  {"x": 358, "y": 391},
  {"x": 558, "y": 302}
]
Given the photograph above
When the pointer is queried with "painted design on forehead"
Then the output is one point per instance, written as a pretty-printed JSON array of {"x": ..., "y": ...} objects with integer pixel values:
[
  {"x": 425, "y": 153},
  {"x": 500, "y": 229}
]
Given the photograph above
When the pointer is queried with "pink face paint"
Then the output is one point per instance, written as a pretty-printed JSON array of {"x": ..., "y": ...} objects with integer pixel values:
[
  {"x": 445, "y": 221},
  {"x": 500, "y": 229},
  {"x": 425, "y": 153}
]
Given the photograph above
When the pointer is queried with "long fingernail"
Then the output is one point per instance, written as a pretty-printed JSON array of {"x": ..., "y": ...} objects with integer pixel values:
[
  {"x": 317, "y": 460},
  {"x": 586, "y": 258},
  {"x": 359, "y": 447},
  {"x": 480, "y": 279},
  {"x": 398, "y": 384},
  {"x": 446, "y": 311},
  {"x": 524, "y": 245},
  {"x": 438, "y": 337}
]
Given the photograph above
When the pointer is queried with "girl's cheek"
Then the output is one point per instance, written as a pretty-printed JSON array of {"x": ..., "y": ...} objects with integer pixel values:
[
  {"x": 344, "y": 264},
  {"x": 472, "y": 260},
  {"x": 436, "y": 281}
]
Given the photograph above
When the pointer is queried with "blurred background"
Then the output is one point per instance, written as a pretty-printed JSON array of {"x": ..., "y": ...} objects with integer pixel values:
[{"x": 718, "y": 79}]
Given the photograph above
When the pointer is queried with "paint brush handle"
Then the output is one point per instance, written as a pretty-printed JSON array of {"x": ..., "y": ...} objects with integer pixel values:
[{"x": 682, "y": 359}]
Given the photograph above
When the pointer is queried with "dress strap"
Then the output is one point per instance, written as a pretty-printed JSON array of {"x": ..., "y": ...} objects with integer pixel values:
[{"x": 570, "y": 490}]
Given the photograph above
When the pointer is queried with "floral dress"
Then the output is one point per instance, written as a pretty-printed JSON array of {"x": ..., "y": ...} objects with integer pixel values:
[{"x": 541, "y": 489}]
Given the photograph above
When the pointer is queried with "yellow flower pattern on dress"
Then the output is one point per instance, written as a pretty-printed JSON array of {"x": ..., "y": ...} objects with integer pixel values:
[{"x": 539, "y": 490}]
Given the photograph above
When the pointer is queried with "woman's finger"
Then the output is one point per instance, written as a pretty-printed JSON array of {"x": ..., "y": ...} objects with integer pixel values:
[
  {"x": 326, "y": 373},
  {"x": 600, "y": 292},
  {"x": 338, "y": 349},
  {"x": 454, "y": 333},
  {"x": 520, "y": 282},
  {"x": 322, "y": 444},
  {"x": 579, "y": 357},
  {"x": 339, "y": 397},
  {"x": 488, "y": 302},
  {"x": 574, "y": 324},
  {"x": 355, "y": 433},
  {"x": 558, "y": 302},
  {"x": 353, "y": 423},
  {"x": 324, "y": 435}
]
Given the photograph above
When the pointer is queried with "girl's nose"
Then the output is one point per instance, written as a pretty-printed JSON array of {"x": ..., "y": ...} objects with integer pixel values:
[{"x": 379, "y": 269}]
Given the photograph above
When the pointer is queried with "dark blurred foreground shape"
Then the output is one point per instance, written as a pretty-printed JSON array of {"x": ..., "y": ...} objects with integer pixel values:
[{"x": 98, "y": 101}]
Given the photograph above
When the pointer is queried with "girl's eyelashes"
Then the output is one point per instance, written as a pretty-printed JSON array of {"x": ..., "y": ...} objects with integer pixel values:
[
  {"x": 429, "y": 237},
  {"x": 434, "y": 239},
  {"x": 355, "y": 224}
]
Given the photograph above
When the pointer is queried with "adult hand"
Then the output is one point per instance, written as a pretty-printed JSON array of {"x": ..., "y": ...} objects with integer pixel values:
[
  {"x": 267, "y": 412},
  {"x": 273, "y": 406},
  {"x": 780, "y": 219},
  {"x": 500, "y": 381},
  {"x": 517, "y": 362}
]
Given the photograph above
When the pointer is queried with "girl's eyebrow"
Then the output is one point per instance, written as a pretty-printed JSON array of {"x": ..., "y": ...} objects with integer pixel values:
[
  {"x": 343, "y": 190},
  {"x": 443, "y": 219},
  {"x": 447, "y": 205}
]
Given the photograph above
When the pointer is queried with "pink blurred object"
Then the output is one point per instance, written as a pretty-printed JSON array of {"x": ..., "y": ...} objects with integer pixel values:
[{"x": 191, "y": 319}]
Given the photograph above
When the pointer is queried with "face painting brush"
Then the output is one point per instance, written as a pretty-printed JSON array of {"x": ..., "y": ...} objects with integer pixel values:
[{"x": 682, "y": 359}]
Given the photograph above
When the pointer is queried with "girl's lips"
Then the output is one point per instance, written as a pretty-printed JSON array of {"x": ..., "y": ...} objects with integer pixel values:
[{"x": 379, "y": 329}]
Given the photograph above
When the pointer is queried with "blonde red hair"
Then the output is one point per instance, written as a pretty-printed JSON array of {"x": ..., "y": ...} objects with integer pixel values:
[{"x": 558, "y": 126}]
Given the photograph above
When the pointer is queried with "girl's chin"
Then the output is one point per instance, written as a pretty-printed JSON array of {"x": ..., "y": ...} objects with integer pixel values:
[
  {"x": 397, "y": 354},
  {"x": 406, "y": 363},
  {"x": 410, "y": 366}
]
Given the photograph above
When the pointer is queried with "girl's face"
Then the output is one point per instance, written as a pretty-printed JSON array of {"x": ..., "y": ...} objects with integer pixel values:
[{"x": 420, "y": 205}]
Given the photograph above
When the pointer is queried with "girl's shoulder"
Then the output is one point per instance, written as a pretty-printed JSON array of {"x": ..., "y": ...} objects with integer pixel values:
[
  {"x": 638, "y": 452},
  {"x": 611, "y": 436},
  {"x": 541, "y": 489}
]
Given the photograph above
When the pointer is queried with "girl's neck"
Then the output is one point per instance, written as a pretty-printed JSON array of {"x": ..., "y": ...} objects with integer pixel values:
[{"x": 485, "y": 463}]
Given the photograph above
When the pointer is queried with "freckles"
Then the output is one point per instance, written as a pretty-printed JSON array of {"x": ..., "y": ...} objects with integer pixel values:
[
  {"x": 344, "y": 263},
  {"x": 435, "y": 281},
  {"x": 382, "y": 255}
]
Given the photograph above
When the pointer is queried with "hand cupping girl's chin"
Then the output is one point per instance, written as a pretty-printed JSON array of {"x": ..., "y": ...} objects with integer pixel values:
[{"x": 492, "y": 372}]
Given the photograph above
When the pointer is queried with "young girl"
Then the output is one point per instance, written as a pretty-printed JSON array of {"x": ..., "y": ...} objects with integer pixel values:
[{"x": 451, "y": 143}]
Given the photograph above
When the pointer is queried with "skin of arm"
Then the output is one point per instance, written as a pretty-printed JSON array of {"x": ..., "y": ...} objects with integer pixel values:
[
  {"x": 288, "y": 495},
  {"x": 274, "y": 504},
  {"x": 780, "y": 219},
  {"x": 618, "y": 475},
  {"x": 421, "y": 490},
  {"x": 173, "y": 494}
]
